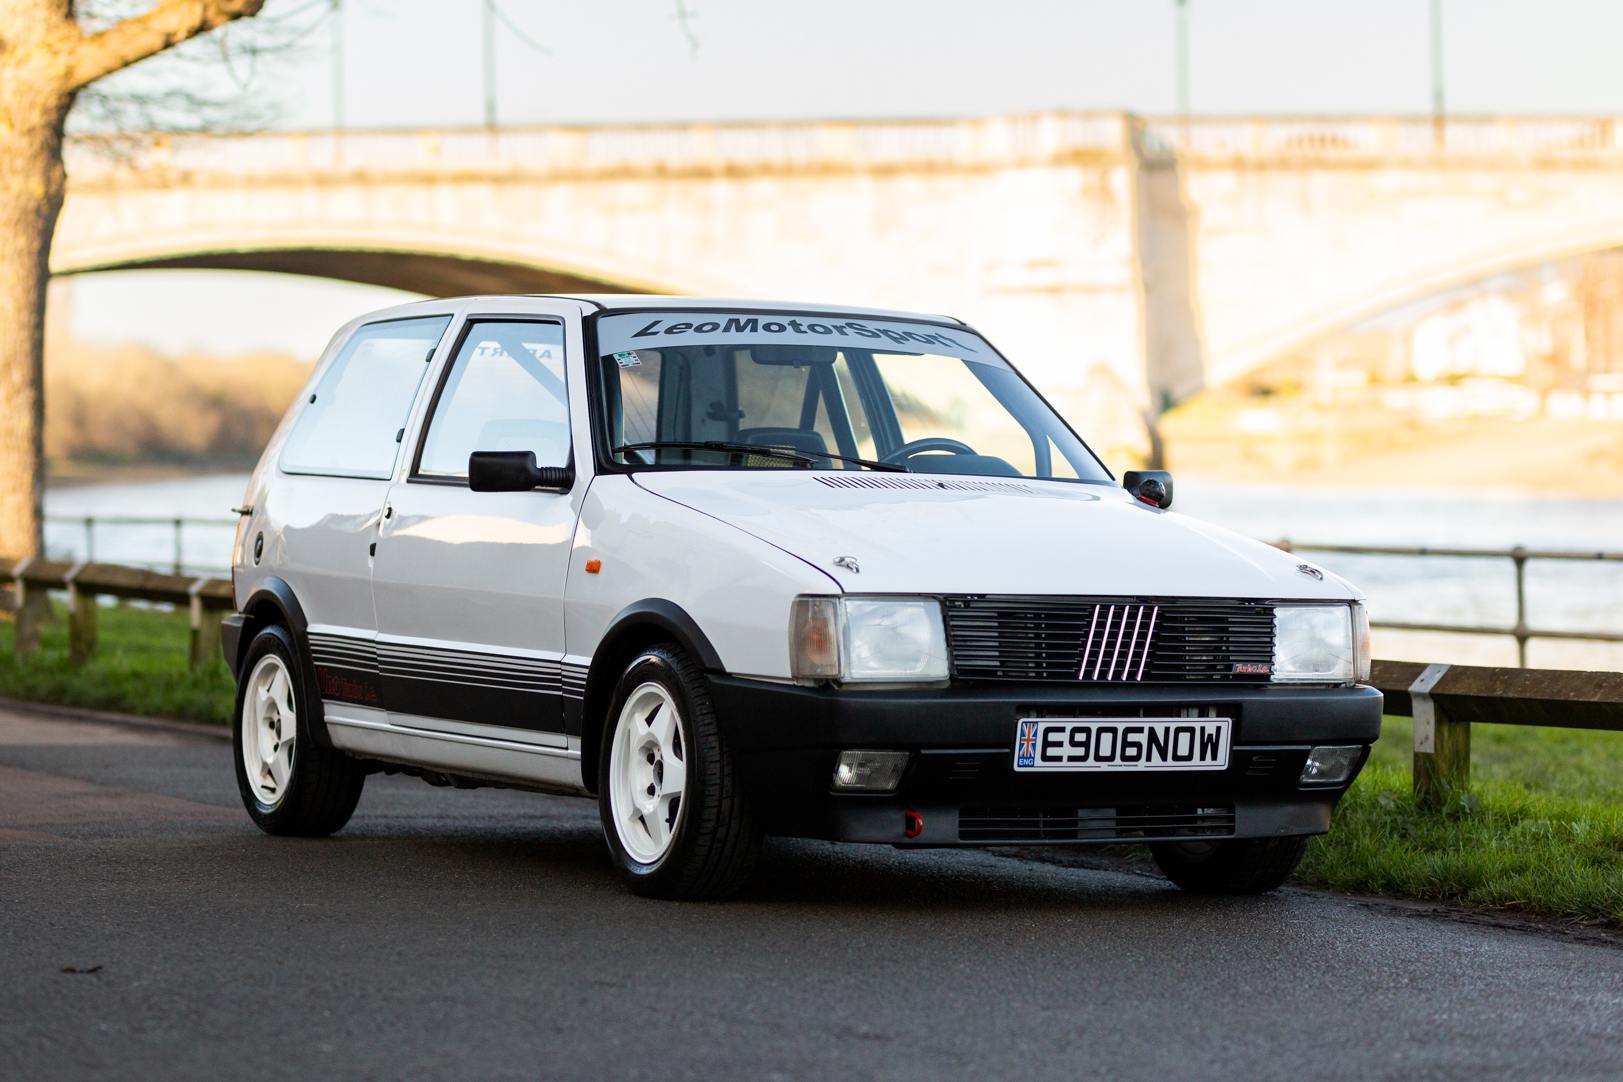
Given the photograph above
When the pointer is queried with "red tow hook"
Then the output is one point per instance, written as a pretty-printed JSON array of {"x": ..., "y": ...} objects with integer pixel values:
[{"x": 915, "y": 824}]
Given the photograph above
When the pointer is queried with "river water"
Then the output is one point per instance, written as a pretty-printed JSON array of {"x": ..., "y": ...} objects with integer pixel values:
[{"x": 1560, "y": 595}]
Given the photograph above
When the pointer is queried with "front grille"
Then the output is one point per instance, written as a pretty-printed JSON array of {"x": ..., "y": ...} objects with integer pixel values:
[
  {"x": 1059, "y": 824},
  {"x": 1110, "y": 640}
]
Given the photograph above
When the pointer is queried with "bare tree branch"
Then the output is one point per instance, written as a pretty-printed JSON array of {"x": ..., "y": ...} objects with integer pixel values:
[
  {"x": 685, "y": 18},
  {"x": 95, "y": 56},
  {"x": 208, "y": 84}
]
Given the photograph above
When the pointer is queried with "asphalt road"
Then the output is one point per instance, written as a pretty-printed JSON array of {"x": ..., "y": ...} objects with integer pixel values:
[{"x": 473, "y": 935}]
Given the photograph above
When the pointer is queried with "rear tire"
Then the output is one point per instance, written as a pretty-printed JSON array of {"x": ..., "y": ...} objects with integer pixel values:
[
  {"x": 288, "y": 785},
  {"x": 672, "y": 805},
  {"x": 1242, "y": 866}
]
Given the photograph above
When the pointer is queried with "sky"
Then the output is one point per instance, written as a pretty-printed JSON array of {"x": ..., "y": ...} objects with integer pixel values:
[{"x": 418, "y": 63}]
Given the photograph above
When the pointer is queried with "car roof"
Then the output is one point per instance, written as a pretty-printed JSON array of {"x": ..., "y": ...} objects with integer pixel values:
[
  {"x": 653, "y": 300},
  {"x": 635, "y": 301}
]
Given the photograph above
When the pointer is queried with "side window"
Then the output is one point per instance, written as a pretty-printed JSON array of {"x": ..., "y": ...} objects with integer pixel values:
[
  {"x": 351, "y": 426},
  {"x": 504, "y": 392}
]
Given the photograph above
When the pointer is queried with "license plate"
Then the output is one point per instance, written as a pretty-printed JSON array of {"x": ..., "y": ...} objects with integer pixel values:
[{"x": 1121, "y": 744}]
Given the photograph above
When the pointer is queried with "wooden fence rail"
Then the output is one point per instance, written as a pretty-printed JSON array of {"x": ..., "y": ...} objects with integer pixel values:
[
  {"x": 208, "y": 599},
  {"x": 1445, "y": 699}
]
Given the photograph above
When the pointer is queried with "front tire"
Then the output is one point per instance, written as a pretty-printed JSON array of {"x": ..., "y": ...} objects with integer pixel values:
[
  {"x": 1242, "y": 866},
  {"x": 672, "y": 806},
  {"x": 288, "y": 785}
]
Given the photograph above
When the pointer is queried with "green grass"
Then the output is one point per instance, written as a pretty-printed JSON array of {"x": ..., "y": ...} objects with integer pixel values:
[
  {"x": 140, "y": 668},
  {"x": 1541, "y": 829}
]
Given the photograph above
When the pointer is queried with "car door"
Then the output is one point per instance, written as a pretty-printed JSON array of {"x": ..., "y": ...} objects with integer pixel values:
[
  {"x": 468, "y": 586},
  {"x": 336, "y": 468}
]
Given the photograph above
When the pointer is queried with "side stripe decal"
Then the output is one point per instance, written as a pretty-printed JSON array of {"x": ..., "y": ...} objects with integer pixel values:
[
  {"x": 366, "y": 660},
  {"x": 574, "y": 680},
  {"x": 343, "y": 652},
  {"x": 467, "y": 667}
]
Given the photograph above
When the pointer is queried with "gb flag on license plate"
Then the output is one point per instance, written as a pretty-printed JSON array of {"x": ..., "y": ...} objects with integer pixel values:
[
  {"x": 1116, "y": 744},
  {"x": 1026, "y": 750}
]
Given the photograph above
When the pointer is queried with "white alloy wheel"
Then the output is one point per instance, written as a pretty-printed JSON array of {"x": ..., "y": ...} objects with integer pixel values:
[
  {"x": 647, "y": 773},
  {"x": 269, "y": 725}
]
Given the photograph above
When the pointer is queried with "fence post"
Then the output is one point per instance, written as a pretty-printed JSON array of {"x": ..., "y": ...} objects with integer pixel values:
[
  {"x": 205, "y": 639},
  {"x": 1519, "y": 554},
  {"x": 177, "y": 547},
  {"x": 1442, "y": 748},
  {"x": 33, "y": 611},
  {"x": 81, "y": 620}
]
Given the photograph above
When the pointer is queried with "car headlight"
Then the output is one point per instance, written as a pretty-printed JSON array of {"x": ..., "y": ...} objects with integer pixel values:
[
  {"x": 1314, "y": 644},
  {"x": 868, "y": 639}
]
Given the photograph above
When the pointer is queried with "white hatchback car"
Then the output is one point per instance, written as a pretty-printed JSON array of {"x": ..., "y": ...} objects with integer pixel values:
[{"x": 741, "y": 568}]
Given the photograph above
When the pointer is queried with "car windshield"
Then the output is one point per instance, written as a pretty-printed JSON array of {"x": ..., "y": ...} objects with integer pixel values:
[{"x": 701, "y": 390}]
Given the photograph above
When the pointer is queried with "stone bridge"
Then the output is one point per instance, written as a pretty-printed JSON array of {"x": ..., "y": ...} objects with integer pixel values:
[{"x": 1122, "y": 263}]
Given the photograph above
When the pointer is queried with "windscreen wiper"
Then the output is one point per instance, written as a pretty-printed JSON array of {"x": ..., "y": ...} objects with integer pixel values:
[{"x": 808, "y": 457}]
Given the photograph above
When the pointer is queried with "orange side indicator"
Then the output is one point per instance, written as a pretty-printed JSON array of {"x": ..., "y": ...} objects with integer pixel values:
[{"x": 593, "y": 566}]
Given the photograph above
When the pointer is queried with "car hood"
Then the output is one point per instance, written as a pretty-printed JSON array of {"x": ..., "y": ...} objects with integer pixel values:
[{"x": 916, "y": 533}]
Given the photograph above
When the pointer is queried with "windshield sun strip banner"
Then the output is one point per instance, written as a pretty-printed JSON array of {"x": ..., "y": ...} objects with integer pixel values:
[{"x": 621, "y": 334}]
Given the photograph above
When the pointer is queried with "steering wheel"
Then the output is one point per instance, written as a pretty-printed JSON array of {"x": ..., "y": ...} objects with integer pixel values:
[{"x": 906, "y": 451}]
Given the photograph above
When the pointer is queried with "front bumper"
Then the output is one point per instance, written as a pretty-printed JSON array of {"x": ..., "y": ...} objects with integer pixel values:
[{"x": 961, "y": 782}]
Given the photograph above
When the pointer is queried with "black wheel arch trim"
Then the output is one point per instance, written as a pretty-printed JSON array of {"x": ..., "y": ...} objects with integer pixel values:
[
  {"x": 638, "y": 625},
  {"x": 275, "y": 602}
]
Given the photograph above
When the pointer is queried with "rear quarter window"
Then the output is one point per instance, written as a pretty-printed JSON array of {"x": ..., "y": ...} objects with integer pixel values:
[{"x": 351, "y": 425}]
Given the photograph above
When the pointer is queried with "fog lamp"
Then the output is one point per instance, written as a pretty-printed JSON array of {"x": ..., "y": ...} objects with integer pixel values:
[
  {"x": 1330, "y": 766},
  {"x": 869, "y": 771}
]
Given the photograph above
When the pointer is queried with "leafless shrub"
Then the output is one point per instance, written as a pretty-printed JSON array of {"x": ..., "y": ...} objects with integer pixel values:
[{"x": 128, "y": 404}]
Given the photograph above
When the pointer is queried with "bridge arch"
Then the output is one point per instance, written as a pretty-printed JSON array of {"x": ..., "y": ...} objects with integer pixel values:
[
  {"x": 1409, "y": 289},
  {"x": 438, "y": 255},
  {"x": 431, "y": 273}
]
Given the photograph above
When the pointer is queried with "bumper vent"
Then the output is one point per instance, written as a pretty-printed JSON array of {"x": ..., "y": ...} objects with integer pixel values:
[
  {"x": 1110, "y": 640},
  {"x": 1261, "y": 766},
  {"x": 1065, "y": 824}
]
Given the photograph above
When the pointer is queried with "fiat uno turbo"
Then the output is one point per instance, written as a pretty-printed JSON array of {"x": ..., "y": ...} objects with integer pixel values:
[{"x": 737, "y": 568}]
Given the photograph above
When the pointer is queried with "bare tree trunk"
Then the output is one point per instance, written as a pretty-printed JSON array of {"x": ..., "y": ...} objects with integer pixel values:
[
  {"x": 45, "y": 59},
  {"x": 32, "y": 181}
]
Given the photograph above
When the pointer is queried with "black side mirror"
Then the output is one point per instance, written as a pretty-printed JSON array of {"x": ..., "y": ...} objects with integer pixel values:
[
  {"x": 515, "y": 471},
  {"x": 1151, "y": 486}
]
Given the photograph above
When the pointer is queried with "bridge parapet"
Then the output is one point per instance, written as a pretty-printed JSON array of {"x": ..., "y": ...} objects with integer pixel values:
[
  {"x": 998, "y": 142},
  {"x": 1387, "y": 139},
  {"x": 654, "y": 150}
]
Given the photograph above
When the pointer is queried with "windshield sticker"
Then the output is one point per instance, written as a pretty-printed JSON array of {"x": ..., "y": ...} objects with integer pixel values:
[
  {"x": 616, "y": 333},
  {"x": 628, "y": 360}
]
